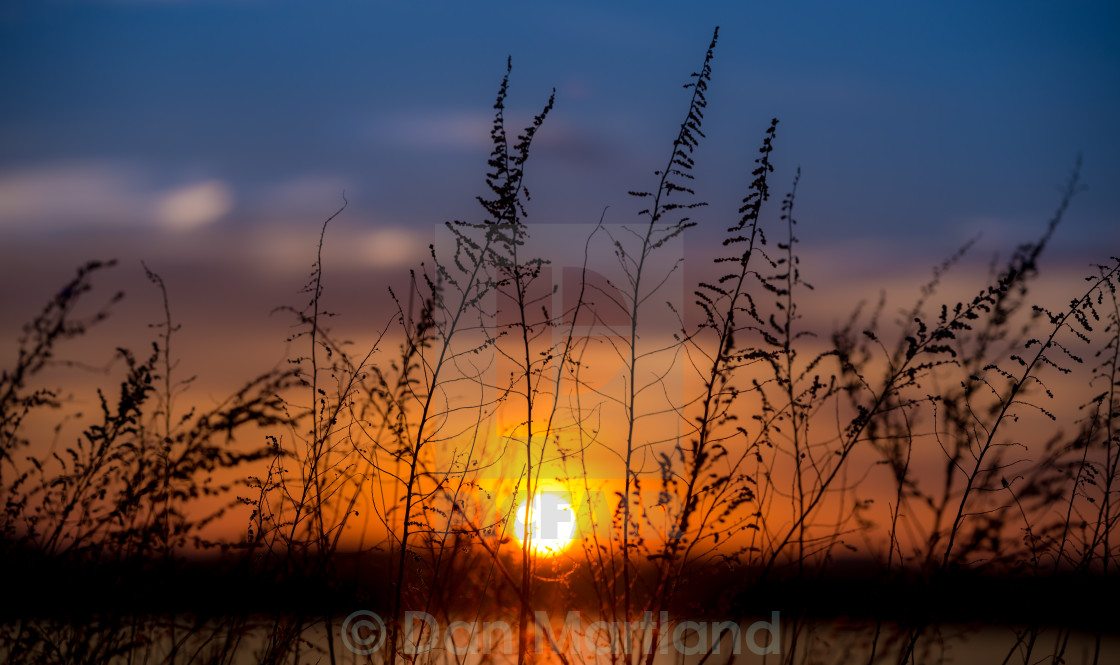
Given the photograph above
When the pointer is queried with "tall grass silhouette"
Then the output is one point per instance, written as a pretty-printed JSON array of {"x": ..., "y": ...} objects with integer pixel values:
[{"x": 738, "y": 462}]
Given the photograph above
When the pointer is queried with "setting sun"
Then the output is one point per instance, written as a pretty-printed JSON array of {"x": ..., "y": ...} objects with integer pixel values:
[{"x": 552, "y": 519}]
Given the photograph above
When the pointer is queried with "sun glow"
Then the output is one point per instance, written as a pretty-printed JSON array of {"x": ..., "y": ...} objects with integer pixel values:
[{"x": 552, "y": 520}]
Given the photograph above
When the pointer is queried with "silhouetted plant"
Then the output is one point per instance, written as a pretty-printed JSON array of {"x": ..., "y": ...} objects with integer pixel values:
[
  {"x": 126, "y": 492},
  {"x": 767, "y": 475}
]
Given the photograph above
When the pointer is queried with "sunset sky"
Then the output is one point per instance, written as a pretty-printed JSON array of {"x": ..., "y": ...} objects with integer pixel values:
[
  {"x": 210, "y": 138},
  {"x": 623, "y": 417}
]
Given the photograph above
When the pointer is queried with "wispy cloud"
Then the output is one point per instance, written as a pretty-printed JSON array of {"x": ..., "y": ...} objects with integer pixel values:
[
  {"x": 434, "y": 129},
  {"x": 291, "y": 249},
  {"x": 89, "y": 194},
  {"x": 67, "y": 194},
  {"x": 437, "y": 130},
  {"x": 193, "y": 206},
  {"x": 308, "y": 195}
]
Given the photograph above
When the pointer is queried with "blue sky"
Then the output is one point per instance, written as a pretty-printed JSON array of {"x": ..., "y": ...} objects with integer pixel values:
[{"x": 221, "y": 132}]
